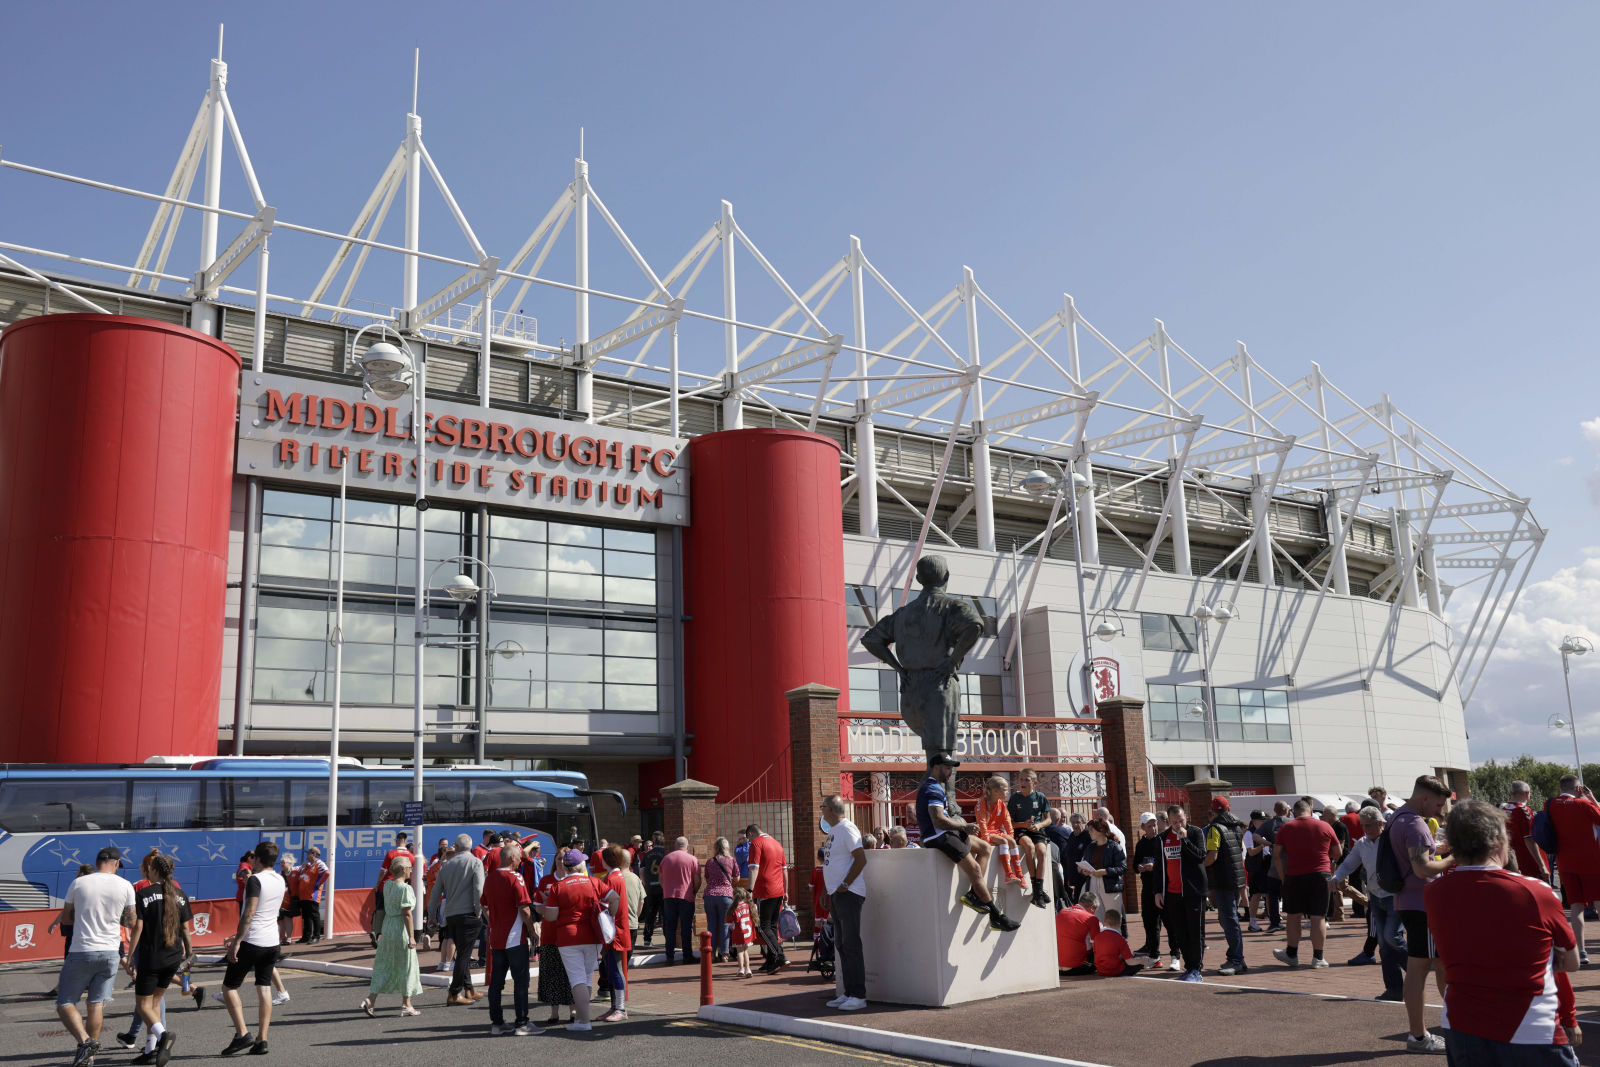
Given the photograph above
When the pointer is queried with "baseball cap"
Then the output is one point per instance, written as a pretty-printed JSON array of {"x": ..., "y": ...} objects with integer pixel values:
[
  {"x": 944, "y": 759},
  {"x": 573, "y": 858},
  {"x": 109, "y": 853},
  {"x": 1147, "y": 816},
  {"x": 1220, "y": 804},
  {"x": 1258, "y": 814}
]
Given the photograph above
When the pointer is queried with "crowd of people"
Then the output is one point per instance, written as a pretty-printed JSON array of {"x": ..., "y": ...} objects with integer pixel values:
[{"x": 1423, "y": 875}]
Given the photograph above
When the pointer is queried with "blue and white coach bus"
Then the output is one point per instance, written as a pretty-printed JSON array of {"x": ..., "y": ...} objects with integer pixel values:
[{"x": 207, "y": 813}]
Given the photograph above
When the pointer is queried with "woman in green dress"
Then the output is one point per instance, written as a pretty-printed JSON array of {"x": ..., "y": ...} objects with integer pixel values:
[{"x": 394, "y": 967}]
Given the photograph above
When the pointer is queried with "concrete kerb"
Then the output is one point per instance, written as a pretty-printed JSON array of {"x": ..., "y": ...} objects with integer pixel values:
[{"x": 927, "y": 1048}]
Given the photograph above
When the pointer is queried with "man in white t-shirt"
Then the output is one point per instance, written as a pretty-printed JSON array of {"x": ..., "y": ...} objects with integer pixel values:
[
  {"x": 254, "y": 947},
  {"x": 98, "y": 905},
  {"x": 844, "y": 865}
]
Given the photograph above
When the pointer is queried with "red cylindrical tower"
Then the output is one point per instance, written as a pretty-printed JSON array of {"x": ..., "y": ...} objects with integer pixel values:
[
  {"x": 764, "y": 586},
  {"x": 116, "y": 468}
]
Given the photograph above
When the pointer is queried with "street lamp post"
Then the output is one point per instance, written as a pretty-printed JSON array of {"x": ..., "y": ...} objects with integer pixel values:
[
  {"x": 1573, "y": 645},
  {"x": 391, "y": 372},
  {"x": 1036, "y": 483},
  {"x": 1203, "y": 615}
]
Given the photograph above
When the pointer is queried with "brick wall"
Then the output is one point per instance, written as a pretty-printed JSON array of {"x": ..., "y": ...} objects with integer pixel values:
[
  {"x": 814, "y": 768},
  {"x": 1128, "y": 787},
  {"x": 624, "y": 778}
]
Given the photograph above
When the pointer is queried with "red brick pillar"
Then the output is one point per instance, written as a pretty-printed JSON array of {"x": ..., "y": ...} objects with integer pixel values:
[
  {"x": 690, "y": 810},
  {"x": 1201, "y": 791},
  {"x": 814, "y": 771},
  {"x": 1127, "y": 772}
]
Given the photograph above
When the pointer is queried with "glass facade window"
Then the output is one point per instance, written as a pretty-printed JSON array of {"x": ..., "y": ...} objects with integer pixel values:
[
  {"x": 1168, "y": 633},
  {"x": 860, "y": 605},
  {"x": 875, "y": 689},
  {"x": 573, "y": 626},
  {"x": 1242, "y": 714}
]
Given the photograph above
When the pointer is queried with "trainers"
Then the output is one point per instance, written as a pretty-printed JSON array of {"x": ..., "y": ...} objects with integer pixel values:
[
  {"x": 970, "y": 899},
  {"x": 1175, "y": 966},
  {"x": 1228, "y": 970},
  {"x": 1396, "y": 997},
  {"x": 199, "y": 995},
  {"x": 526, "y": 1029},
  {"x": 238, "y": 1044},
  {"x": 1283, "y": 957},
  {"x": 280, "y": 998},
  {"x": 496, "y": 1029},
  {"x": 1318, "y": 962},
  {"x": 1152, "y": 962},
  {"x": 144, "y": 1058},
  {"x": 579, "y": 1028},
  {"x": 1429, "y": 1042},
  {"x": 125, "y": 1040},
  {"x": 217, "y": 996},
  {"x": 615, "y": 1015},
  {"x": 1275, "y": 928},
  {"x": 85, "y": 1054},
  {"x": 1003, "y": 924},
  {"x": 164, "y": 1047},
  {"x": 258, "y": 1049},
  {"x": 1361, "y": 960},
  {"x": 836, "y": 1001},
  {"x": 1192, "y": 976},
  {"x": 852, "y": 1004},
  {"x": 1255, "y": 927}
]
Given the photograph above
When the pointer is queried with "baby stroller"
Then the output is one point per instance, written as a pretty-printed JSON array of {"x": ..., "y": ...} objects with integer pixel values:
[{"x": 822, "y": 950}]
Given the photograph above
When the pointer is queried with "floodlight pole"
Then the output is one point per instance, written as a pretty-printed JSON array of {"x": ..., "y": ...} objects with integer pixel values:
[
  {"x": 1572, "y": 716},
  {"x": 336, "y": 638}
]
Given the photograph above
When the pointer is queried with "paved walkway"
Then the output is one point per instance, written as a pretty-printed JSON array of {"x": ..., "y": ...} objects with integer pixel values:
[{"x": 1273, "y": 1015}]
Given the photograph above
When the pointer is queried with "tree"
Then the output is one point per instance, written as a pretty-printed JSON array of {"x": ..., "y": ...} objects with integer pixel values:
[{"x": 1492, "y": 781}]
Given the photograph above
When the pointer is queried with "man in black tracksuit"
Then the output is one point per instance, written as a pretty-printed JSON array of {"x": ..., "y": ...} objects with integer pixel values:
[
  {"x": 1181, "y": 889},
  {"x": 650, "y": 875}
]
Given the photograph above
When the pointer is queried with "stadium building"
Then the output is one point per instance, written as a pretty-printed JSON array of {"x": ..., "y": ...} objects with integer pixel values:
[{"x": 661, "y": 494}]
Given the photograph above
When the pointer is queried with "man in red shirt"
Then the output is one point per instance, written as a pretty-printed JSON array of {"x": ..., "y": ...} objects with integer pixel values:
[
  {"x": 1519, "y": 828},
  {"x": 1352, "y": 821},
  {"x": 1075, "y": 930},
  {"x": 597, "y": 859},
  {"x": 1304, "y": 853},
  {"x": 505, "y": 895},
  {"x": 1501, "y": 940},
  {"x": 1576, "y": 816},
  {"x": 767, "y": 862}
]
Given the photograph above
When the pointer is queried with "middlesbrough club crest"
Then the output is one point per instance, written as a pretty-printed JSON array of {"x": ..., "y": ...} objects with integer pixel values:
[{"x": 1105, "y": 679}]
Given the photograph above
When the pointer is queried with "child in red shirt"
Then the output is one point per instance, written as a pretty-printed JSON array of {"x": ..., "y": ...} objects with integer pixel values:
[
  {"x": 744, "y": 931},
  {"x": 1112, "y": 955}
]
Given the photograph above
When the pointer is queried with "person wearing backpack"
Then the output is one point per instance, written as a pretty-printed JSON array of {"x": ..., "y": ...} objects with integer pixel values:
[
  {"x": 1574, "y": 816},
  {"x": 1412, "y": 853},
  {"x": 1383, "y": 922}
]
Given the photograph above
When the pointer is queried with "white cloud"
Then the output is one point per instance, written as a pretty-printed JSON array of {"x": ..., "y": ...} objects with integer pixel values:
[
  {"x": 1591, "y": 433},
  {"x": 1522, "y": 688}
]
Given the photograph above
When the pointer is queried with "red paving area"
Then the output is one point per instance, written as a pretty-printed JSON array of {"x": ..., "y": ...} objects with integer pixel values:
[{"x": 1258, "y": 1018}]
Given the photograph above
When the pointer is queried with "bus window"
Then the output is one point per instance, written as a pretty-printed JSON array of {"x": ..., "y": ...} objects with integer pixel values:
[
  {"x": 308, "y": 802},
  {"x": 258, "y": 802},
  {"x": 214, "y": 804},
  {"x": 445, "y": 801},
  {"x": 386, "y": 801},
  {"x": 506, "y": 803},
  {"x": 62, "y": 806},
  {"x": 165, "y": 805}
]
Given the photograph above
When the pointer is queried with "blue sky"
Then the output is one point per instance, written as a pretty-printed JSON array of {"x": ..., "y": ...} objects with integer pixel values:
[{"x": 1404, "y": 195}]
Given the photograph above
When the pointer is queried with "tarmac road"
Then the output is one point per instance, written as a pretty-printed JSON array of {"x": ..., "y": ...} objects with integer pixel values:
[{"x": 321, "y": 1025}]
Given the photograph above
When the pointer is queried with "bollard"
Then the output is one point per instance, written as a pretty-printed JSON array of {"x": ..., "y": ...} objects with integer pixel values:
[{"x": 705, "y": 967}]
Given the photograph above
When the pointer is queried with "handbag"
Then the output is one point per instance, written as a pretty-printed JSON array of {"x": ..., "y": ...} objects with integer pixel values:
[{"x": 603, "y": 920}]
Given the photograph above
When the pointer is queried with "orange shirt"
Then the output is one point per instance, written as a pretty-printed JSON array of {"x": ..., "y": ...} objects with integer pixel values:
[{"x": 994, "y": 820}]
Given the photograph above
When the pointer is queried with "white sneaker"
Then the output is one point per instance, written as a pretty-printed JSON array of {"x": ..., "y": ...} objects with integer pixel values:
[
  {"x": 217, "y": 996},
  {"x": 1318, "y": 961},
  {"x": 281, "y": 998},
  {"x": 1176, "y": 965},
  {"x": 836, "y": 1001},
  {"x": 1152, "y": 962},
  {"x": 1283, "y": 957},
  {"x": 1429, "y": 1042},
  {"x": 852, "y": 1004}
]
